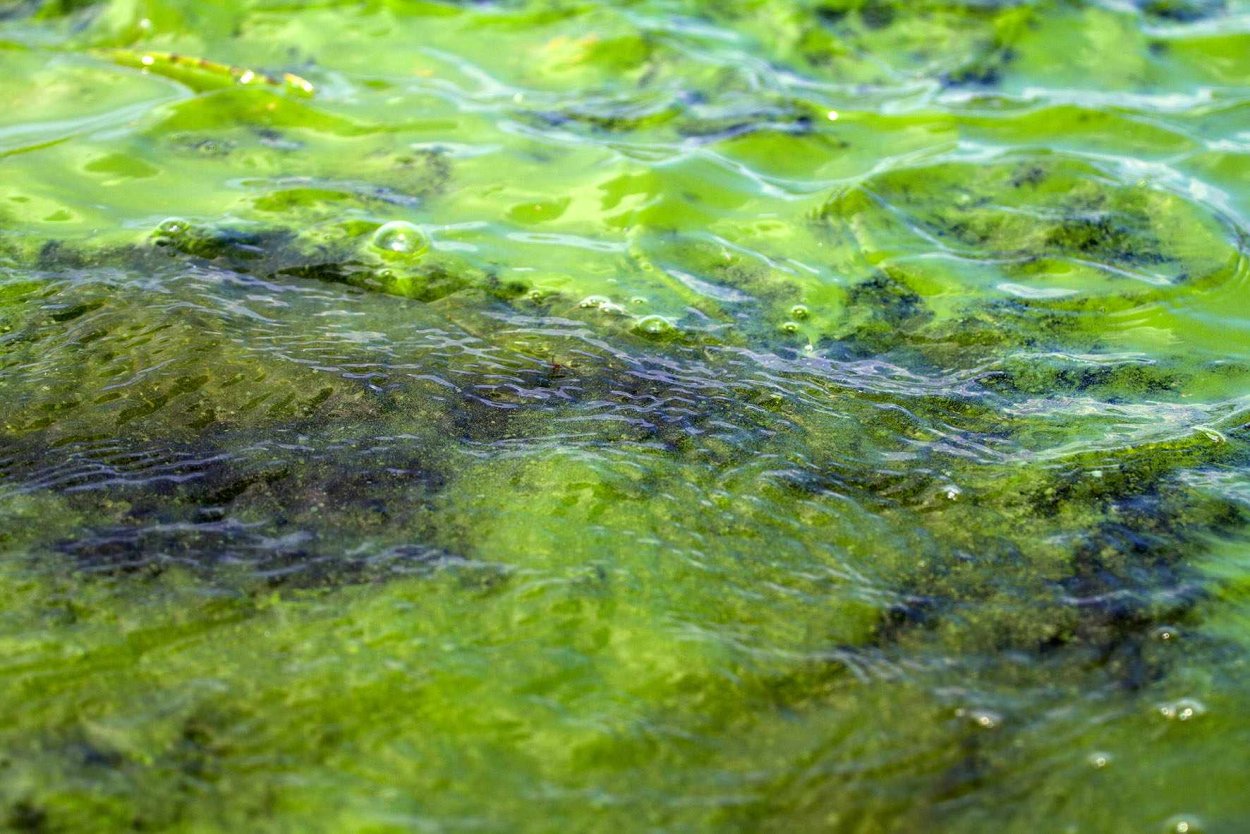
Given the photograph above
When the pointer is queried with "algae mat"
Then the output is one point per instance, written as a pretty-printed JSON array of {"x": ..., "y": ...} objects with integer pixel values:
[{"x": 667, "y": 416}]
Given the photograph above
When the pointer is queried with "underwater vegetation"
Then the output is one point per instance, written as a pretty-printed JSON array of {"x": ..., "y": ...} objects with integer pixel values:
[{"x": 554, "y": 415}]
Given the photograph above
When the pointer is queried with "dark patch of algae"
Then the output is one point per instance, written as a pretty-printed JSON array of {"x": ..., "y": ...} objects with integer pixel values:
[{"x": 744, "y": 416}]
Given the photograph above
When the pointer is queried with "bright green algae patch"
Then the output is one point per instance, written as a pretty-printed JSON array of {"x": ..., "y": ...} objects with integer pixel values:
[{"x": 641, "y": 416}]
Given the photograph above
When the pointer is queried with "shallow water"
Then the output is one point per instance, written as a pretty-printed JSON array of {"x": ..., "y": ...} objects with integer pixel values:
[{"x": 762, "y": 415}]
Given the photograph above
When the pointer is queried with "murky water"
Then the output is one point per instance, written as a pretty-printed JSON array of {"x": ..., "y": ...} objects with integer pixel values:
[{"x": 550, "y": 415}]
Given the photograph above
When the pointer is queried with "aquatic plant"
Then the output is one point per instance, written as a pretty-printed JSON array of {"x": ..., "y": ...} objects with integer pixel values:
[{"x": 750, "y": 416}]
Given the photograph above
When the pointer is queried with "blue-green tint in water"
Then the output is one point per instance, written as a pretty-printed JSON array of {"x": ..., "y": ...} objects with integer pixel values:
[{"x": 654, "y": 416}]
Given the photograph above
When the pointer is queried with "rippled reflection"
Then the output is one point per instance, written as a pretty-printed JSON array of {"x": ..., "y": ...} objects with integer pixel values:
[{"x": 659, "y": 416}]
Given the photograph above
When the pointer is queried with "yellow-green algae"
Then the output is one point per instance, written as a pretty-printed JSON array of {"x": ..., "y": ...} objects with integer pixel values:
[{"x": 640, "y": 416}]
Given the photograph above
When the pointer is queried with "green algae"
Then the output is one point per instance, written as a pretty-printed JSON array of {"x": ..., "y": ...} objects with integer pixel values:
[{"x": 750, "y": 416}]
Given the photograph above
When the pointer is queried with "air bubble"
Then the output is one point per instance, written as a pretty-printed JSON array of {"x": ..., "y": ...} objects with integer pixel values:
[
  {"x": 799, "y": 312},
  {"x": 655, "y": 326},
  {"x": 1099, "y": 759},
  {"x": 986, "y": 719},
  {"x": 1166, "y": 634},
  {"x": 1183, "y": 824},
  {"x": 173, "y": 227},
  {"x": 400, "y": 239},
  {"x": 983, "y": 718},
  {"x": 790, "y": 327},
  {"x": 594, "y": 302}
]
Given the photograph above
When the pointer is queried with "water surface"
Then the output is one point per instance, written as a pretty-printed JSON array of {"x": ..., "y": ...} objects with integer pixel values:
[{"x": 667, "y": 416}]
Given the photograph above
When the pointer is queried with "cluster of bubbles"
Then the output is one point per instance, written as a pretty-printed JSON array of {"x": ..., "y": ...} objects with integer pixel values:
[
  {"x": 798, "y": 314},
  {"x": 1185, "y": 709},
  {"x": 650, "y": 326},
  {"x": 399, "y": 243},
  {"x": 603, "y": 304}
]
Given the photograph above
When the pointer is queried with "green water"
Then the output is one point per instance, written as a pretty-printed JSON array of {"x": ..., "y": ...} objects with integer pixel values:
[{"x": 665, "y": 416}]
